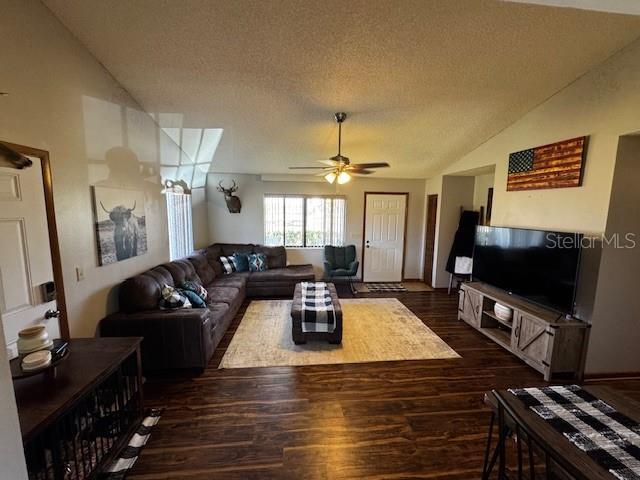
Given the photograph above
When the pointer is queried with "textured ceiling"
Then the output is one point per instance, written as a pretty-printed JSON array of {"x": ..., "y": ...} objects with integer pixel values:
[{"x": 423, "y": 81}]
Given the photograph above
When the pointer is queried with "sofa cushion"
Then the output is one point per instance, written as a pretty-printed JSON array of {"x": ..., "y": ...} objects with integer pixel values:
[
  {"x": 241, "y": 259},
  {"x": 234, "y": 281},
  {"x": 218, "y": 311},
  {"x": 173, "y": 298},
  {"x": 182, "y": 271},
  {"x": 222, "y": 295},
  {"x": 213, "y": 253},
  {"x": 276, "y": 256},
  {"x": 292, "y": 273},
  {"x": 203, "y": 269},
  {"x": 231, "y": 248}
]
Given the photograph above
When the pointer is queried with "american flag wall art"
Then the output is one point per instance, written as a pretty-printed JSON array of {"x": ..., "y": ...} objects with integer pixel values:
[{"x": 557, "y": 165}]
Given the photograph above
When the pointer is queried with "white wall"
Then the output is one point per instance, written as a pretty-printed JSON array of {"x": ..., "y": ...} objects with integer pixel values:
[
  {"x": 615, "y": 334},
  {"x": 12, "y": 464},
  {"x": 63, "y": 101},
  {"x": 604, "y": 104},
  {"x": 248, "y": 226},
  {"x": 482, "y": 184},
  {"x": 456, "y": 193}
]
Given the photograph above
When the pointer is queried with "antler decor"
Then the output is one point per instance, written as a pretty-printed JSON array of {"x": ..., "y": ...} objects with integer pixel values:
[{"x": 233, "y": 202}]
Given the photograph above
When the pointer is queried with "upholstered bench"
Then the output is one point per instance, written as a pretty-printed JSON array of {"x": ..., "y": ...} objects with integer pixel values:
[{"x": 299, "y": 335}]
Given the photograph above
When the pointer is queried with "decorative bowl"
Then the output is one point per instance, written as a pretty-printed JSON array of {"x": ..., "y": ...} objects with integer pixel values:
[
  {"x": 502, "y": 312},
  {"x": 32, "y": 339}
]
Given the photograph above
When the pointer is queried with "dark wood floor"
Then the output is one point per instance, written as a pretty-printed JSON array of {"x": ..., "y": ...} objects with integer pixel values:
[{"x": 386, "y": 420}]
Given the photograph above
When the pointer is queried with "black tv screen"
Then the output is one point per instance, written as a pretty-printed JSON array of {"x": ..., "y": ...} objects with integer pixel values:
[{"x": 538, "y": 265}]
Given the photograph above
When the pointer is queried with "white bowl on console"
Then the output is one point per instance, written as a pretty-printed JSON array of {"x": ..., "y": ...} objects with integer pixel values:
[{"x": 502, "y": 312}]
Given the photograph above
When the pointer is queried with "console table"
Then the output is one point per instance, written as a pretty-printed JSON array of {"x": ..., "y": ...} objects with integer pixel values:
[
  {"x": 74, "y": 423},
  {"x": 547, "y": 341}
]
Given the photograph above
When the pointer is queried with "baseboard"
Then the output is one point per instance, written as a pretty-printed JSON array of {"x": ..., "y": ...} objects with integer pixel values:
[{"x": 603, "y": 377}]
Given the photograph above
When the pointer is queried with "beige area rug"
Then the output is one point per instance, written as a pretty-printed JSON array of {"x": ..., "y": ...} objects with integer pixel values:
[
  {"x": 374, "y": 330},
  {"x": 411, "y": 286}
]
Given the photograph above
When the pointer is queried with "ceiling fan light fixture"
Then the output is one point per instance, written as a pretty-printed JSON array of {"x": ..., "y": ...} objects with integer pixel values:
[
  {"x": 343, "y": 178},
  {"x": 330, "y": 177}
]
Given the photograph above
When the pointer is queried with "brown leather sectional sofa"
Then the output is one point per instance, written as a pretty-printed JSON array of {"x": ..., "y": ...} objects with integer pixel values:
[{"x": 187, "y": 338}]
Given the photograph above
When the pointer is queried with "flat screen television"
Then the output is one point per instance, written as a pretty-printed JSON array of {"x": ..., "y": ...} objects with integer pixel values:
[{"x": 540, "y": 266}]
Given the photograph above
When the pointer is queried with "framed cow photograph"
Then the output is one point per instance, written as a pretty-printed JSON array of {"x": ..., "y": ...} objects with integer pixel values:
[{"x": 121, "y": 230}]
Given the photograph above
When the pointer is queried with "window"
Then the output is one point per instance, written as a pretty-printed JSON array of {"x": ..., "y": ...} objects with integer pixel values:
[
  {"x": 180, "y": 226},
  {"x": 304, "y": 221}
]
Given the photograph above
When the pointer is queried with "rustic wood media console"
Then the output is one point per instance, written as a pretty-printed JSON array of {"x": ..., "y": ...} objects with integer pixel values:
[{"x": 547, "y": 341}]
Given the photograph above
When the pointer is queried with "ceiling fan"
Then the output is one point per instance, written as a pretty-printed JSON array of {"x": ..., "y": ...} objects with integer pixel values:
[{"x": 338, "y": 168}]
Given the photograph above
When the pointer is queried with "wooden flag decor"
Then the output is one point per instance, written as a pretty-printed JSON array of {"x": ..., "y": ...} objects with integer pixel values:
[{"x": 557, "y": 165}]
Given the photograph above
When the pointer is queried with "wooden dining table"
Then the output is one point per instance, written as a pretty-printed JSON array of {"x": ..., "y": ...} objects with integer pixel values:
[{"x": 533, "y": 435}]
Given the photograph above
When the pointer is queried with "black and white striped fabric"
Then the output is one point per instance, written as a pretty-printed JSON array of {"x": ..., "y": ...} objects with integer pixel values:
[
  {"x": 118, "y": 469},
  {"x": 318, "y": 314},
  {"x": 229, "y": 264},
  {"x": 386, "y": 287},
  {"x": 607, "y": 436}
]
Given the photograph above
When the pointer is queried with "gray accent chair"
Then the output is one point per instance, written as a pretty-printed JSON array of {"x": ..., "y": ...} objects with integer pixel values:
[{"x": 341, "y": 265}]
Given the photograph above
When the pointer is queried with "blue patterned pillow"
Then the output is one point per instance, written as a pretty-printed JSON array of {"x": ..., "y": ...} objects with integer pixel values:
[
  {"x": 173, "y": 299},
  {"x": 194, "y": 298},
  {"x": 257, "y": 262},
  {"x": 195, "y": 288},
  {"x": 241, "y": 261}
]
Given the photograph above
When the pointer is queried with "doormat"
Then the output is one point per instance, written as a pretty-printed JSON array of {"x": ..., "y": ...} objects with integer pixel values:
[
  {"x": 386, "y": 287},
  {"x": 118, "y": 469}
]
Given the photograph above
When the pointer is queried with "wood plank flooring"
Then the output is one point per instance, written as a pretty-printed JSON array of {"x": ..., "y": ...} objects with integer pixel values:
[{"x": 387, "y": 420}]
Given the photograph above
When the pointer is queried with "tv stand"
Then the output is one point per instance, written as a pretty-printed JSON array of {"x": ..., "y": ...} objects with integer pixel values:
[{"x": 554, "y": 345}]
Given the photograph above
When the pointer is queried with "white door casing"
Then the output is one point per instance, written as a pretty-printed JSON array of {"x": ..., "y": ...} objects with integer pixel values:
[
  {"x": 383, "y": 253},
  {"x": 25, "y": 254}
]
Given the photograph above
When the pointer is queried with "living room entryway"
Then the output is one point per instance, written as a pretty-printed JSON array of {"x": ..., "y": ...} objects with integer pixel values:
[{"x": 384, "y": 232}]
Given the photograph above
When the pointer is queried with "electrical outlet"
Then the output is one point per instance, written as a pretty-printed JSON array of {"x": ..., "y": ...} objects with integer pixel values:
[{"x": 79, "y": 274}]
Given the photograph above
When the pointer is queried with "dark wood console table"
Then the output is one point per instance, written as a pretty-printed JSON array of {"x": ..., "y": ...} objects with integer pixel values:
[
  {"x": 540, "y": 450},
  {"x": 73, "y": 424}
]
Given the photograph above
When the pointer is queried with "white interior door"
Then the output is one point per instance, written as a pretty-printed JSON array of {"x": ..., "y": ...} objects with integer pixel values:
[
  {"x": 383, "y": 254},
  {"x": 25, "y": 255}
]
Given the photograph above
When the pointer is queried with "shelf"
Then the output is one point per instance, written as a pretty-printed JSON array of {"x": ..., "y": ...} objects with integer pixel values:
[
  {"x": 492, "y": 315},
  {"x": 501, "y": 337}
]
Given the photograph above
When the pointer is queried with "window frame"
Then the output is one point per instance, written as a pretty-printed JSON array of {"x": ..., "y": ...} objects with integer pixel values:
[{"x": 304, "y": 197}]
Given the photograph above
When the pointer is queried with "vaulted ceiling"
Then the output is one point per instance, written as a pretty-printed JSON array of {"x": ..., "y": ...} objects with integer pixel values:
[{"x": 423, "y": 81}]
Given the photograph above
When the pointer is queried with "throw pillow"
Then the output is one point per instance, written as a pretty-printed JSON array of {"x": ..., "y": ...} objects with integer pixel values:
[
  {"x": 195, "y": 288},
  {"x": 172, "y": 299},
  {"x": 228, "y": 264},
  {"x": 257, "y": 262},
  {"x": 194, "y": 298},
  {"x": 242, "y": 261}
]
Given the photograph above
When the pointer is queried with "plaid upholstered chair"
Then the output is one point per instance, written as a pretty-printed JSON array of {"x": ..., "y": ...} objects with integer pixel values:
[{"x": 340, "y": 265}]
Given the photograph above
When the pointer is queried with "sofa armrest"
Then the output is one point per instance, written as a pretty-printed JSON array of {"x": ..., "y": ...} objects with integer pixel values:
[{"x": 172, "y": 338}]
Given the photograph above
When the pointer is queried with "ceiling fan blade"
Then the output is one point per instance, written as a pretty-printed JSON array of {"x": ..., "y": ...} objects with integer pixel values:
[
  {"x": 361, "y": 172},
  {"x": 371, "y": 165},
  {"x": 331, "y": 163},
  {"x": 309, "y": 168}
]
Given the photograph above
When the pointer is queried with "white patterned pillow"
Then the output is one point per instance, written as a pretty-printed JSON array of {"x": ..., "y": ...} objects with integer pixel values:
[
  {"x": 229, "y": 264},
  {"x": 172, "y": 299}
]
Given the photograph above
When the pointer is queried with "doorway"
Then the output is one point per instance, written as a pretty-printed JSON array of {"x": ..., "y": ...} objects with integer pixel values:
[
  {"x": 385, "y": 223},
  {"x": 31, "y": 285},
  {"x": 430, "y": 238}
]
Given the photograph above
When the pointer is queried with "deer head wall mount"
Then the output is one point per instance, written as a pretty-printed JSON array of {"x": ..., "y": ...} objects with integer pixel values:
[{"x": 233, "y": 202}]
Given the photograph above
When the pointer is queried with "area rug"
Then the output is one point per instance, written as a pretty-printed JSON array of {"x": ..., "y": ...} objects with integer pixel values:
[{"x": 374, "y": 330}]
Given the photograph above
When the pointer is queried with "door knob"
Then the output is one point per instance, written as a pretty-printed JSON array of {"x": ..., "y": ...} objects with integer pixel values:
[{"x": 51, "y": 314}]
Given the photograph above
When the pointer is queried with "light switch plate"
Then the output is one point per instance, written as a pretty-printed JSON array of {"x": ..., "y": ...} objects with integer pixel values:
[{"x": 79, "y": 274}]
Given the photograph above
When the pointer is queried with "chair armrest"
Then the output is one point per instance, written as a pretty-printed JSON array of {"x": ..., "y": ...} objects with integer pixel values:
[
  {"x": 328, "y": 268},
  {"x": 353, "y": 267},
  {"x": 172, "y": 338}
]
